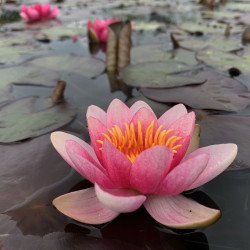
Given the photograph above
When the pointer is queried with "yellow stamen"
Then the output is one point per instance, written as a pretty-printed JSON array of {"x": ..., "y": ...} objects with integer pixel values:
[{"x": 132, "y": 143}]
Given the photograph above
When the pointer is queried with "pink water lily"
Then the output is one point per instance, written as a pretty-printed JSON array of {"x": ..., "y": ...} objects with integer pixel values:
[
  {"x": 38, "y": 12},
  {"x": 98, "y": 30},
  {"x": 138, "y": 159}
]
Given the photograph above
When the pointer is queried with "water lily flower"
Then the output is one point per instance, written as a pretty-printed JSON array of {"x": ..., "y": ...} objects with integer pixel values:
[
  {"x": 136, "y": 159},
  {"x": 98, "y": 30},
  {"x": 38, "y": 12}
]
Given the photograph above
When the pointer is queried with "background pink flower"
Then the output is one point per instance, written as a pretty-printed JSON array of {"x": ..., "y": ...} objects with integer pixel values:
[
  {"x": 138, "y": 159},
  {"x": 98, "y": 30},
  {"x": 38, "y": 12}
]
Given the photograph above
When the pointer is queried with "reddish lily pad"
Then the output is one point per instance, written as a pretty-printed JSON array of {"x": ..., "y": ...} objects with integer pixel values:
[
  {"x": 19, "y": 121},
  {"x": 158, "y": 75},
  {"x": 25, "y": 75},
  {"x": 216, "y": 129},
  {"x": 87, "y": 66},
  {"x": 219, "y": 92},
  {"x": 155, "y": 53}
]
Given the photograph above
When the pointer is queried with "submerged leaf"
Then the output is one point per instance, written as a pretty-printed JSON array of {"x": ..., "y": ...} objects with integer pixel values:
[
  {"x": 158, "y": 75},
  {"x": 218, "y": 92},
  {"x": 19, "y": 121}
]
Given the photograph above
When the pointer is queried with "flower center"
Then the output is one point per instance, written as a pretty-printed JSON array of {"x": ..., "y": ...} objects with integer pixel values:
[{"x": 131, "y": 145}]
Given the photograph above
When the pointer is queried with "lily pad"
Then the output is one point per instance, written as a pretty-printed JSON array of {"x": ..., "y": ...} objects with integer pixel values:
[
  {"x": 16, "y": 39},
  {"x": 223, "y": 60},
  {"x": 13, "y": 54},
  {"x": 209, "y": 28},
  {"x": 158, "y": 75},
  {"x": 218, "y": 92},
  {"x": 25, "y": 75},
  {"x": 19, "y": 121},
  {"x": 140, "y": 25},
  {"x": 87, "y": 66},
  {"x": 219, "y": 43},
  {"x": 216, "y": 129},
  {"x": 57, "y": 33},
  {"x": 154, "y": 53}
]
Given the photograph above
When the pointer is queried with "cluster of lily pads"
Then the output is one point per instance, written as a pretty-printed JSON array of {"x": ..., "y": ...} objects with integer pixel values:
[{"x": 172, "y": 62}]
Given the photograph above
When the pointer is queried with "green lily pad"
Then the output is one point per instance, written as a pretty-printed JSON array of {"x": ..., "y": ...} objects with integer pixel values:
[
  {"x": 220, "y": 43},
  {"x": 154, "y": 53},
  {"x": 13, "y": 54},
  {"x": 245, "y": 7},
  {"x": 25, "y": 75},
  {"x": 157, "y": 75},
  {"x": 140, "y": 25},
  {"x": 87, "y": 66},
  {"x": 57, "y": 33},
  {"x": 19, "y": 121},
  {"x": 224, "y": 61},
  {"x": 16, "y": 39},
  {"x": 218, "y": 92},
  {"x": 209, "y": 28}
]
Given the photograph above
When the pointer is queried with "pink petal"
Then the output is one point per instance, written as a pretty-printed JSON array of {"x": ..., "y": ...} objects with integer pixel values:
[
  {"x": 117, "y": 165},
  {"x": 24, "y": 16},
  {"x": 103, "y": 36},
  {"x": 54, "y": 12},
  {"x": 33, "y": 14},
  {"x": 96, "y": 128},
  {"x": 119, "y": 200},
  {"x": 118, "y": 114},
  {"x": 181, "y": 177},
  {"x": 180, "y": 212},
  {"x": 59, "y": 139},
  {"x": 145, "y": 116},
  {"x": 45, "y": 10},
  {"x": 141, "y": 104},
  {"x": 221, "y": 156},
  {"x": 183, "y": 127},
  {"x": 98, "y": 113},
  {"x": 171, "y": 115},
  {"x": 24, "y": 8},
  {"x": 84, "y": 206},
  {"x": 85, "y": 167},
  {"x": 149, "y": 168}
]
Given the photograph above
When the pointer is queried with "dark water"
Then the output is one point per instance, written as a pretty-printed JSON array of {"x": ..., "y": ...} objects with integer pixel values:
[{"x": 34, "y": 174}]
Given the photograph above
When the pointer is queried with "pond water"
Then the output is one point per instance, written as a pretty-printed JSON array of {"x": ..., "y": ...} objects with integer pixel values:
[{"x": 32, "y": 173}]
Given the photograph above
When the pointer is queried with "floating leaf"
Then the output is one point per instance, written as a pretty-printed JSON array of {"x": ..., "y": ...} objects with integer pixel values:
[
  {"x": 16, "y": 39},
  {"x": 216, "y": 129},
  {"x": 158, "y": 75},
  {"x": 140, "y": 25},
  {"x": 19, "y": 121},
  {"x": 57, "y": 33},
  {"x": 87, "y": 66},
  {"x": 223, "y": 60},
  {"x": 154, "y": 53},
  {"x": 25, "y": 75},
  {"x": 208, "y": 28},
  {"x": 218, "y": 92},
  {"x": 13, "y": 54},
  {"x": 220, "y": 43}
]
